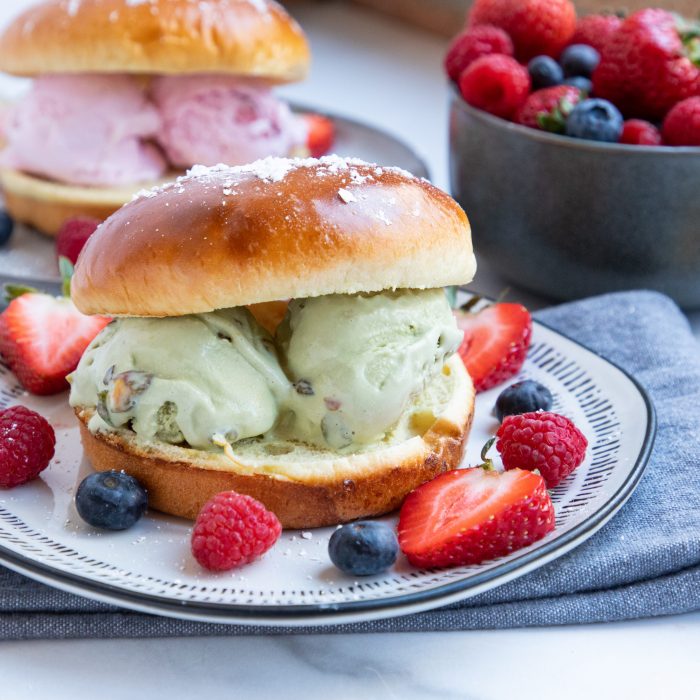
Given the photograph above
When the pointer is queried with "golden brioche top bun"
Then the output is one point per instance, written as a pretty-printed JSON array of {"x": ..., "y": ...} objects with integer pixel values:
[
  {"x": 255, "y": 38},
  {"x": 277, "y": 228}
]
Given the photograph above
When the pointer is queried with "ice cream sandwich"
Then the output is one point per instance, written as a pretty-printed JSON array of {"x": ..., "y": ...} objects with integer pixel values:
[
  {"x": 354, "y": 399},
  {"x": 126, "y": 92}
]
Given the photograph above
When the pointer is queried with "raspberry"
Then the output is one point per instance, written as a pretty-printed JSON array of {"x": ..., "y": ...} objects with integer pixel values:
[
  {"x": 544, "y": 441},
  {"x": 595, "y": 30},
  {"x": 497, "y": 84},
  {"x": 232, "y": 530},
  {"x": 73, "y": 235},
  {"x": 474, "y": 43},
  {"x": 682, "y": 124},
  {"x": 638, "y": 132},
  {"x": 27, "y": 444}
]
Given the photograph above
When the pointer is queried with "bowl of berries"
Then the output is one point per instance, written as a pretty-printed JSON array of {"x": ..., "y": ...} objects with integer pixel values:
[{"x": 575, "y": 146}]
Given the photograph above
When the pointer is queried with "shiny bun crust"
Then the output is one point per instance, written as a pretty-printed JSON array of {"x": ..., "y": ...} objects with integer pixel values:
[
  {"x": 276, "y": 229},
  {"x": 320, "y": 492},
  {"x": 254, "y": 38}
]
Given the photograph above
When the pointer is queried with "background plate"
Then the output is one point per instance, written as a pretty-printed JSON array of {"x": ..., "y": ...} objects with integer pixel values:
[
  {"x": 149, "y": 567},
  {"x": 31, "y": 257}
]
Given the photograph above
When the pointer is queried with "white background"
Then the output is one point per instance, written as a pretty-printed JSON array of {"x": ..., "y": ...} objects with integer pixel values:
[{"x": 388, "y": 75}]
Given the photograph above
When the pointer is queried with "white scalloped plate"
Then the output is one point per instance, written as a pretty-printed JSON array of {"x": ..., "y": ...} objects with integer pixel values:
[{"x": 149, "y": 568}]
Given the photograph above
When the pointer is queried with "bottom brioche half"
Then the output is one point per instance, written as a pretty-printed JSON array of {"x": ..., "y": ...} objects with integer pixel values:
[
  {"x": 45, "y": 204},
  {"x": 305, "y": 487}
]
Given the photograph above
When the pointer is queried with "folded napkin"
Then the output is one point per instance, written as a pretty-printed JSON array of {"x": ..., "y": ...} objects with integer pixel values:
[{"x": 644, "y": 562}]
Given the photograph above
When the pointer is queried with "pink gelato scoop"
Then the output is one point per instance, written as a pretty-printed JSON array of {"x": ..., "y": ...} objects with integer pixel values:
[
  {"x": 84, "y": 130},
  {"x": 218, "y": 119}
]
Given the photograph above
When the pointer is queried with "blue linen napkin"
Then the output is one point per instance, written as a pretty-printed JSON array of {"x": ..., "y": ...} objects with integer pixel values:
[{"x": 644, "y": 562}]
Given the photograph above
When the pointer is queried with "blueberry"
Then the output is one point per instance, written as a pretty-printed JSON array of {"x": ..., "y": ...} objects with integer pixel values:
[
  {"x": 523, "y": 397},
  {"x": 544, "y": 72},
  {"x": 110, "y": 500},
  {"x": 363, "y": 548},
  {"x": 7, "y": 225},
  {"x": 583, "y": 84},
  {"x": 596, "y": 119},
  {"x": 579, "y": 59}
]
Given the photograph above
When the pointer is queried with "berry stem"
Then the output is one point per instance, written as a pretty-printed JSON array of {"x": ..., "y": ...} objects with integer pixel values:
[
  {"x": 469, "y": 305},
  {"x": 487, "y": 463},
  {"x": 13, "y": 291},
  {"x": 65, "y": 267}
]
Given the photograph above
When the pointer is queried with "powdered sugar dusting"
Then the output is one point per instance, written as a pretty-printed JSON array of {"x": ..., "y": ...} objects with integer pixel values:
[
  {"x": 274, "y": 169},
  {"x": 260, "y": 5},
  {"x": 72, "y": 7},
  {"x": 381, "y": 215},
  {"x": 346, "y": 195},
  {"x": 146, "y": 193}
]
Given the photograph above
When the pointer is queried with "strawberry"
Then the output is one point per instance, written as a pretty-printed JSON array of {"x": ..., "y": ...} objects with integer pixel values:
[
  {"x": 470, "y": 515},
  {"x": 42, "y": 339},
  {"x": 649, "y": 64},
  {"x": 548, "y": 109},
  {"x": 595, "y": 30},
  {"x": 496, "y": 340},
  {"x": 320, "y": 134},
  {"x": 682, "y": 124},
  {"x": 472, "y": 44},
  {"x": 536, "y": 26}
]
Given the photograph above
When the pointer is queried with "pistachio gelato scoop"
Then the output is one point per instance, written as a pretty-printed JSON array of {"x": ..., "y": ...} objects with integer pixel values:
[
  {"x": 357, "y": 360},
  {"x": 182, "y": 379}
]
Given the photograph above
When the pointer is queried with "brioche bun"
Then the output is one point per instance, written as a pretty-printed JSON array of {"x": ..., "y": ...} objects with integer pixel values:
[
  {"x": 253, "y": 38},
  {"x": 304, "y": 489},
  {"x": 46, "y": 204},
  {"x": 276, "y": 229}
]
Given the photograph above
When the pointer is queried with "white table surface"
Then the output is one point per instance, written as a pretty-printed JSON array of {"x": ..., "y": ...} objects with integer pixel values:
[{"x": 389, "y": 75}]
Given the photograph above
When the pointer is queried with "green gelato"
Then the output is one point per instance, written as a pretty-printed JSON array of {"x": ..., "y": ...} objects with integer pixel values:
[
  {"x": 356, "y": 361},
  {"x": 348, "y": 367},
  {"x": 182, "y": 379}
]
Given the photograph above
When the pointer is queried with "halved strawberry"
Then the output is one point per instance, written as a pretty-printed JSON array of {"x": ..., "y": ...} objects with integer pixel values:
[
  {"x": 320, "y": 134},
  {"x": 496, "y": 340},
  {"x": 470, "y": 515},
  {"x": 42, "y": 339}
]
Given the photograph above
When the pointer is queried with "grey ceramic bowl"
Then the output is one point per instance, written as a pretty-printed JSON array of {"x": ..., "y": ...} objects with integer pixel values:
[{"x": 568, "y": 218}]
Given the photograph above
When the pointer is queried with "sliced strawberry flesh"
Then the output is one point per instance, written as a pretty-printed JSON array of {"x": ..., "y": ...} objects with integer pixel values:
[
  {"x": 43, "y": 338},
  {"x": 460, "y": 501},
  {"x": 493, "y": 339}
]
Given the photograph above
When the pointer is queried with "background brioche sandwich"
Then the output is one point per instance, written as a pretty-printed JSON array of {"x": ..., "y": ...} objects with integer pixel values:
[
  {"x": 353, "y": 400},
  {"x": 125, "y": 93}
]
